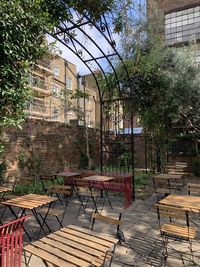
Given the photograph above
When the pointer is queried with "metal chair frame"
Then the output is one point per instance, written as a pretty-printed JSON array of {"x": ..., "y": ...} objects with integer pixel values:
[
  {"x": 11, "y": 243},
  {"x": 178, "y": 227}
]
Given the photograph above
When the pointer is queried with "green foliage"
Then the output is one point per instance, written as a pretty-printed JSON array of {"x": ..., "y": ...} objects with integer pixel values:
[
  {"x": 84, "y": 161},
  {"x": 196, "y": 166},
  {"x": 22, "y": 29},
  {"x": 141, "y": 179},
  {"x": 22, "y": 159},
  {"x": 35, "y": 163},
  {"x": 23, "y": 25},
  {"x": 2, "y": 170}
]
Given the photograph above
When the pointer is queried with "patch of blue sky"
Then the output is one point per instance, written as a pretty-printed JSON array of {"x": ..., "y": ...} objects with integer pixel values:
[{"x": 93, "y": 43}]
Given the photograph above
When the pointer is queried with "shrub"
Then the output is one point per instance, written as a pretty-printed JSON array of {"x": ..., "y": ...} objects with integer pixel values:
[{"x": 196, "y": 166}]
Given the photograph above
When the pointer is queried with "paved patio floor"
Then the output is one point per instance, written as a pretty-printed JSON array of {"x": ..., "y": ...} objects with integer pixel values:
[{"x": 143, "y": 246}]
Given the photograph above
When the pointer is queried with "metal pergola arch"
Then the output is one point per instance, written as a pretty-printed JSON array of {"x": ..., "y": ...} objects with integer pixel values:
[{"x": 68, "y": 33}]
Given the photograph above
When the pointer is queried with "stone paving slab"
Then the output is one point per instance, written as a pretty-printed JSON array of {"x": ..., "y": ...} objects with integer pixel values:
[{"x": 143, "y": 246}]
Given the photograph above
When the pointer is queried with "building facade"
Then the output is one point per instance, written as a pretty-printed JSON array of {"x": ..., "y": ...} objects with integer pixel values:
[
  {"x": 54, "y": 82},
  {"x": 180, "y": 26},
  {"x": 181, "y": 21}
]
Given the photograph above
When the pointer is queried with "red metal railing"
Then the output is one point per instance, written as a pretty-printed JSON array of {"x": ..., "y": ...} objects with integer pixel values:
[{"x": 11, "y": 243}]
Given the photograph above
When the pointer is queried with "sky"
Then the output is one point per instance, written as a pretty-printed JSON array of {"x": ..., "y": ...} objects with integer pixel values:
[{"x": 86, "y": 43}]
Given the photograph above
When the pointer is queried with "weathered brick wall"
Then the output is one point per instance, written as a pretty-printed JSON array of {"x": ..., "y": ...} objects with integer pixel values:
[
  {"x": 168, "y": 5},
  {"x": 53, "y": 144},
  {"x": 139, "y": 147}
]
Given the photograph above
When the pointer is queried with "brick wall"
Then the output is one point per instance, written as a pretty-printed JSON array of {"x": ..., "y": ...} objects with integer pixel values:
[
  {"x": 169, "y": 5},
  {"x": 53, "y": 144},
  {"x": 139, "y": 151}
]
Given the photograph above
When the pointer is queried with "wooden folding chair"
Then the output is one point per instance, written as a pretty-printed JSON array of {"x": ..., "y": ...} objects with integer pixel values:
[
  {"x": 177, "y": 228},
  {"x": 110, "y": 220},
  {"x": 46, "y": 179},
  {"x": 161, "y": 187},
  {"x": 63, "y": 192},
  {"x": 84, "y": 192}
]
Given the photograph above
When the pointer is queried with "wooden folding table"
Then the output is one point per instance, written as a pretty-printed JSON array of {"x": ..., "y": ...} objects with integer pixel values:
[
  {"x": 98, "y": 182},
  {"x": 30, "y": 202},
  {"x": 73, "y": 246},
  {"x": 190, "y": 203}
]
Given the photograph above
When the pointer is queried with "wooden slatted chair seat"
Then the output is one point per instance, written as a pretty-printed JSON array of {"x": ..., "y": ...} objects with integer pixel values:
[
  {"x": 99, "y": 262},
  {"x": 57, "y": 212},
  {"x": 178, "y": 230},
  {"x": 193, "y": 188},
  {"x": 52, "y": 211}
]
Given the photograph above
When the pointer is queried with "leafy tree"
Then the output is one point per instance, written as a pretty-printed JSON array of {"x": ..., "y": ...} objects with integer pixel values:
[
  {"x": 165, "y": 82},
  {"x": 23, "y": 25}
]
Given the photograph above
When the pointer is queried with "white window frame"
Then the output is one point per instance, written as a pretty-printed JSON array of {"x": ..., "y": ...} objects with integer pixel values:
[
  {"x": 56, "y": 71},
  {"x": 182, "y": 26},
  {"x": 55, "y": 90},
  {"x": 69, "y": 83}
]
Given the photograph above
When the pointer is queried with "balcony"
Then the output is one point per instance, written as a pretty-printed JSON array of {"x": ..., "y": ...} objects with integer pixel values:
[
  {"x": 40, "y": 86},
  {"x": 44, "y": 66},
  {"x": 39, "y": 110}
]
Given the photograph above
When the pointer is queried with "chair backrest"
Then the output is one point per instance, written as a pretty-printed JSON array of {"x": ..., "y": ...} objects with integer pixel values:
[
  {"x": 172, "y": 213},
  {"x": 60, "y": 189},
  {"x": 193, "y": 188},
  {"x": 179, "y": 163},
  {"x": 161, "y": 182},
  {"x": 107, "y": 219},
  {"x": 20, "y": 186},
  {"x": 81, "y": 183},
  {"x": 11, "y": 243}
]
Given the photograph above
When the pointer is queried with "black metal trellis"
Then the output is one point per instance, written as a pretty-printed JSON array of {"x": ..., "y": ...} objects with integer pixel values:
[{"x": 116, "y": 120}]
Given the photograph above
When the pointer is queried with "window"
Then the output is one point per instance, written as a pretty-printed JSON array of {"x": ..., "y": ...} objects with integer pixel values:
[
  {"x": 55, "y": 113},
  {"x": 69, "y": 83},
  {"x": 55, "y": 90},
  {"x": 56, "y": 71},
  {"x": 182, "y": 26},
  {"x": 69, "y": 111}
]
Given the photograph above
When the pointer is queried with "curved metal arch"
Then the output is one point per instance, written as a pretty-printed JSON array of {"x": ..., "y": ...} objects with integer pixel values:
[
  {"x": 95, "y": 78},
  {"x": 65, "y": 34},
  {"x": 101, "y": 50},
  {"x": 76, "y": 52},
  {"x": 102, "y": 29}
]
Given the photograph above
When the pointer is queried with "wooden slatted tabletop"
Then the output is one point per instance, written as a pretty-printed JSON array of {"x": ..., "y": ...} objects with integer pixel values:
[
  {"x": 4, "y": 189},
  {"x": 168, "y": 176},
  {"x": 183, "y": 201},
  {"x": 72, "y": 246},
  {"x": 30, "y": 201},
  {"x": 68, "y": 174},
  {"x": 98, "y": 178}
]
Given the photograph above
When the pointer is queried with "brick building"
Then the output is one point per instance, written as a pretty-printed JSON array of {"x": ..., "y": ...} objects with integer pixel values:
[
  {"x": 180, "y": 26},
  {"x": 54, "y": 81},
  {"x": 181, "y": 20}
]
